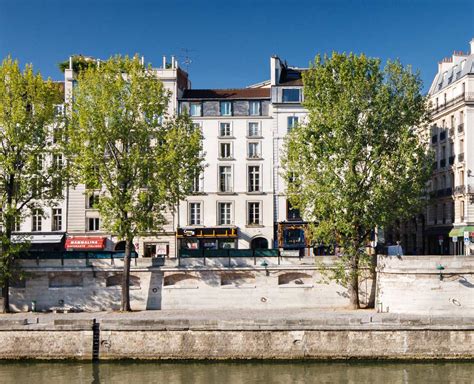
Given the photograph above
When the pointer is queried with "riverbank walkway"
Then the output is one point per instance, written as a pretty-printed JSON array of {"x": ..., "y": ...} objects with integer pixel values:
[{"x": 255, "y": 319}]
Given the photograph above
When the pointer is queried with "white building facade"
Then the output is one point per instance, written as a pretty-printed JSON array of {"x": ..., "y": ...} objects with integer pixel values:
[
  {"x": 232, "y": 206},
  {"x": 450, "y": 213}
]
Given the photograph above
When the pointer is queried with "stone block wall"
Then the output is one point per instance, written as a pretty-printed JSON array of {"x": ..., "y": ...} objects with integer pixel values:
[{"x": 426, "y": 285}]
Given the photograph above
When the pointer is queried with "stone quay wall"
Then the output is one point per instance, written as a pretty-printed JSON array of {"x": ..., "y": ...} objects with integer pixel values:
[
  {"x": 294, "y": 283},
  {"x": 407, "y": 284},
  {"x": 258, "y": 339},
  {"x": 426, "y": 285}
]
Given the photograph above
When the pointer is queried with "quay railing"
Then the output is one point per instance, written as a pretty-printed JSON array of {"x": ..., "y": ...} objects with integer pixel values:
[
  {"x": 227, "y": 254},
  {"x": 74, "y": 255}
]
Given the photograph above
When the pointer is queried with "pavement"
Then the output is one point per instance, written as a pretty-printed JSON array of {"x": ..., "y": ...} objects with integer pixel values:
[{"x": 261, "y": 319}]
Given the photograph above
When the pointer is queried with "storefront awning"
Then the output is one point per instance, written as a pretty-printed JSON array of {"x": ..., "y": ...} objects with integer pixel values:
[
  {"x": 84, "y": 242},
  {"x": 38, "y": 239},
  {"x": 459, "y": 232},
  {"x": 210, "y": 232}
]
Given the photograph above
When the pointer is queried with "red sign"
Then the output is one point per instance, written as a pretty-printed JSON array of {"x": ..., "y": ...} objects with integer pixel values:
[{"x": 85, "y": 243}]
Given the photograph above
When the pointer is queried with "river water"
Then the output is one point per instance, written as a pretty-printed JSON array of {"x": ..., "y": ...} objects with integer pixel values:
[{"x": 235, "y": 372}]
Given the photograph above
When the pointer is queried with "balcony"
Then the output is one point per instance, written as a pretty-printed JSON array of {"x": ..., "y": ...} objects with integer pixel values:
[
  {"x": 461, "y": 128},
  {"x": 451, "y": 160},
  {"x": 452, "y": 102},
  {"x": 442, "y": 163},
  {"x": 460, "y": 157}
]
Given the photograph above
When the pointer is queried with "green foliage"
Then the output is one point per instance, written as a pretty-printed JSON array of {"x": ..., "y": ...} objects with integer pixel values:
[
  {"x": 359, "y": 162},
  {"x": 123, "y": 143},
  {"x": 27, "y": 122},
  {"x": 79, "y": 63}
]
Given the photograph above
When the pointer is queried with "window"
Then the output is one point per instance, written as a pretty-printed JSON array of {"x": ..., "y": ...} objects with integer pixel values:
[
  {"x": 58, "y": 109},
  {"x": 224, "y": 212},
  {"x": 253, "y": 213},
  {"x": 93, "y": 200},
  {"x": 57, "y": 133},
  {"x": 254, "y": 108},
  {"x": 93, "y": 224},
  {"x": 57, "y": 219},
  {"x": 226, "y": 108},
  {"x": 38, "y": 162},
  {"x": 195, "y": 109},
  {"x": 36, "y": 224},
  {"x": 254, "y": 129},
  {"x": 291, "y": 95},
  {"x": 57, "y": 161},
  {"x": 56, "y": 185},
  {"x": 225, "y": 150},
  {"x": 198, "y": 183},
  {"x": 254, "y": 178},
  {"x": 194, "y": 213},
  {"x": 292, "y": 213},
  {"x": 225, "y": 179},
  {"x": 36, "y": 187},
  {"x": 254, "y": 150},
  {"x": 225, "y": 130},
  {"x": 292, "y": 122}
]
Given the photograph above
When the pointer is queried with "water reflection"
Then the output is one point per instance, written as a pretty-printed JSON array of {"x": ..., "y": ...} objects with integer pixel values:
[{"x": 235, "y": 373}]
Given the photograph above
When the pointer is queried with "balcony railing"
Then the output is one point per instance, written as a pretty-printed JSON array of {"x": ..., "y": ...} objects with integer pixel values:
[
  {"x": 451, "y": 160},
  {"x": 461, "y": 127},
  {"x": 461, "y": 157},
  {"x": 452, "y": 102}
]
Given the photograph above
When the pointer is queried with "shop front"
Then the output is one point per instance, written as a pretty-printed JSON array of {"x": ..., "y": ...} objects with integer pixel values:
[
  {"x": 41, "y": 242},
  {"x": 208, "y": 238},
  {"x": 438, "y": 240},
  {"x": 87, "y": 243},
  {"x": 462, "y": 238}
]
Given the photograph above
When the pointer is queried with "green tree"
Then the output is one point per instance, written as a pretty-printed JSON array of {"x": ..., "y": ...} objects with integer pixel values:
[
  {"x": 31, "y": 156},
  {"x": 182, "y": 145},
  {"x": 119, "y": 144},
  {"x": 358, "y": 162}
]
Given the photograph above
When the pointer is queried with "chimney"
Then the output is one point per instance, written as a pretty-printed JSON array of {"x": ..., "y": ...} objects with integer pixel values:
[
  {"x": 472, "y": 46},
  {"x": 172, "y": 62},
  {"x": 70, "y": 62},
  {"x": 164, "y": 62},
  {"x": 143, "y": 61}
]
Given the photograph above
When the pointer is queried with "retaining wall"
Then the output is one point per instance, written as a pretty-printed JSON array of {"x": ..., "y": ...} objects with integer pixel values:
[{"x": 426, "y": 284}]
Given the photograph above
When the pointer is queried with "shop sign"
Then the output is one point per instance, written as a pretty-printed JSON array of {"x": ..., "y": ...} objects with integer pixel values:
[
  {"x": 85, "y": 243},
  {"x": 162, "y": 249},
  {"x": 466, "y": 238},
  {"x": 454, "y": 239}
]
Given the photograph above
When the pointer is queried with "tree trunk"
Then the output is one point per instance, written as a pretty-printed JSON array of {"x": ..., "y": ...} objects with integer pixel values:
[
  {"x": 6, "y": 295},
  {"x": 126, "y": 276},
  {"x": 373, "y": 275},
  {"x": 354, "y": 283}
]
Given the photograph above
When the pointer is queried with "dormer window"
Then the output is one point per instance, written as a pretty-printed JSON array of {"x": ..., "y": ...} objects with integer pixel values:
[
  {"x": 195, "y": 109},
  {"x": 226, "y": 108},
  {"x": 291, "y": 95},
  {"x": 254, "y": 108}
]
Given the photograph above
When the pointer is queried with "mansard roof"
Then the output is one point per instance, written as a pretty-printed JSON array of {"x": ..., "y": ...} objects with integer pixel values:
[{"x": 236, "y": 94}]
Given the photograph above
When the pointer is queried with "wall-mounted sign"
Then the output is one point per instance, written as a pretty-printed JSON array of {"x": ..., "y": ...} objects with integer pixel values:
[{"x": 97, "y": 243}]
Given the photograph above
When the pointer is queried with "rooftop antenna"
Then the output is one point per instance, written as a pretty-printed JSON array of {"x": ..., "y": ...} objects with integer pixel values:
[{"x": 186, "y": 58}]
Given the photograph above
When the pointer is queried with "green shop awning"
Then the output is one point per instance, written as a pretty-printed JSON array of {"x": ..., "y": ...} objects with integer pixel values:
[{"x": 459, "y": 232}]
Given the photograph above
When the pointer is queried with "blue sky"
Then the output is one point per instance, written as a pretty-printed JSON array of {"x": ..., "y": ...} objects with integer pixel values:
[{"x": 230, "y": 42}]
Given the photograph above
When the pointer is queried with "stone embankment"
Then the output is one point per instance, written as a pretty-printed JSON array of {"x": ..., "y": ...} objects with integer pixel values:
[{"x": 305, "y": 334}]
